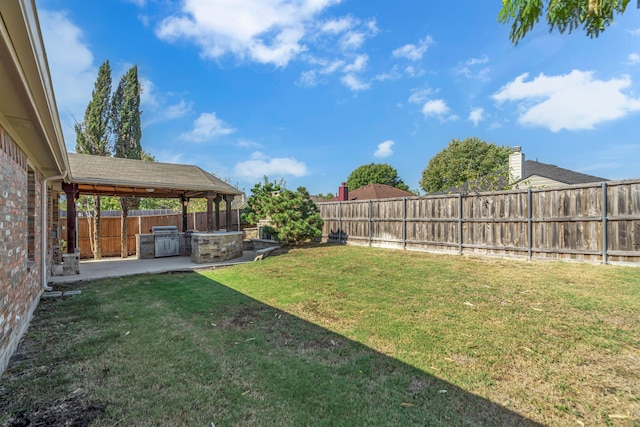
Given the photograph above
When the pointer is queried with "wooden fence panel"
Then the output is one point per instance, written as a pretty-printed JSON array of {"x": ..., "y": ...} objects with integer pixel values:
[
  {"x": 592, "y": 222},
  {"x": 623, "y": 221},
  {"x": 432, "y": 223},
  {"x": 138, "y": 224}
]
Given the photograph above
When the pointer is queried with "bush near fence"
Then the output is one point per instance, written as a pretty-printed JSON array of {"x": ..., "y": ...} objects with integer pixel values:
[
  {"x": 138, "y": 222},
  {"x": 597, "y": 222}
]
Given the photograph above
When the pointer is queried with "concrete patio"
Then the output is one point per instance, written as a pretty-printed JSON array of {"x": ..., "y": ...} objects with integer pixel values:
[{"x": 118, "y": 267}]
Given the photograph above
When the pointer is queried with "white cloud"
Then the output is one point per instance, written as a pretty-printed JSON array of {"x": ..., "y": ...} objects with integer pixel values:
[
  {"x": 372, "y": 26},
  {"x": 474, "y": 69},
  {"x": 332, "y": 67},
  {"x": 633, "y": 58},
  {"x": 354, "y": 83},
  {"x": 635, "y": 32},
  {"x": 308, "y": 79},
  {"x": 435, "y": 108},
  {"x": 412, "y": 51},
  {"x": 157, "y": 106},
  {"x": 207, "y": 127},
  {"x": 265, "y": 31},
  {"x": 337, "y": 26},
  {"x": 262, "y": 165},
  {"x": 359, "y": 64},
  {"x": 72, "y": 69},
  {"x": 573, "y": 101},
  {"x": 384, "y": 149},
  {"x": 247, "y": 143},
  {"x": 420, "y": 96},
  {"x": 394, "y": 74},
  {"x": 476, "y": 115},
  {"x": 352, "y": 40},
  {"x": 174, "y": 111},
  {"x": 412, "y": 71}
]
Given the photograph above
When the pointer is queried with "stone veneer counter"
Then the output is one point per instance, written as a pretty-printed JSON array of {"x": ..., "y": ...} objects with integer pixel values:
[{"x": 215, "y": 247}]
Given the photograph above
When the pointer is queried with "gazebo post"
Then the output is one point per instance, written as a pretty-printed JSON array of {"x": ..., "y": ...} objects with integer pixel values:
[
  {"x": 210, "y": 198},
  {"x": 228, "y": 198},
  {"x": 184, "y": 201},
  {"x": 71, "y": 191},
  {"x": 217, "y": 202}
]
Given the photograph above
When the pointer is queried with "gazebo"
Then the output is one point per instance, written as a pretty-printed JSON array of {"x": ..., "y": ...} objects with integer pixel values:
[{"x": 113, "y": 176}]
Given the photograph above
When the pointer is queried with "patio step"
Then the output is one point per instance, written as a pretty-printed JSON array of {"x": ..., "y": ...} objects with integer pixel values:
[{"x": 263, "y": 253}]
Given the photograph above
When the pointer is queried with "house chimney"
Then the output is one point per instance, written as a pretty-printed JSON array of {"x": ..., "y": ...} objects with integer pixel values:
[
  {"x": 343, "y": 192},
  {"x": 516, "y": 165}
]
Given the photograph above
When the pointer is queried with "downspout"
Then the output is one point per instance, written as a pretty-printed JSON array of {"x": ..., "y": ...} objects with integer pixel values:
[{"x": 43, "y": 227}]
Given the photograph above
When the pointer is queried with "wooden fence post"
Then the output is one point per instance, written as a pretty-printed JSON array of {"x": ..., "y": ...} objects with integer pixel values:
[
  {"x": 460, "y": 249},
  {"x": 339, "y": 222},
  {"x": 404, "y": 223},
  {"x": 529, "y": 224},
  {"x": 604, "y": 222},
  {"x": 370, "y": 221}
]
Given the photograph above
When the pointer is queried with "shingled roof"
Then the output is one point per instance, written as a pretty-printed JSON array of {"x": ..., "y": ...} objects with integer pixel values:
[
  {"x": 556, "y": 173},
  {"x": 127, "y": 177},
  {"x": 375, "y": 191}
]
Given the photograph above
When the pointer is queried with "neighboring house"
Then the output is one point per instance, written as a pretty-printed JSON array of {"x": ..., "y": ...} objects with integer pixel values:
[
  {"x": 32, "y": 164},
  {"x": 369, "y": 192},
  {"x": 533, "y": 174}
]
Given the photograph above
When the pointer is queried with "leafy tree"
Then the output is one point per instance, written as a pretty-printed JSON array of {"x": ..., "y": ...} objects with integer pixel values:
[
  {"x": 260, "y": 202},
  {"x": 127, "y": 132},
  {"x": 327, "y": 196},
  {"x": 593, "y": 15},
  {"x": 375, "y": 173},
  {"x": 125, "y": 116},
  {"x": 294, "y": 217},
  {"x": 157, "y": 203},
  {"x": 92, "y": 137},
  {"x": 485, "y": 166}
]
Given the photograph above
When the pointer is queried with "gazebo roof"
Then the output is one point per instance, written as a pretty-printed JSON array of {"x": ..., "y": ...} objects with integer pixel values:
[{"x": 113, "y": 176}]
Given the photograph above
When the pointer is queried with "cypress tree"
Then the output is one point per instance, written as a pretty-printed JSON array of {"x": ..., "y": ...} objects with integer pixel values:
[
  {"x": 92, "y": 137},
  {"x": 127, "y": 132}
]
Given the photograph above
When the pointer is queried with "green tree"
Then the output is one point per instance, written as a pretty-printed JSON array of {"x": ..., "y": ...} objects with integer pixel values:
[
  {"x": 327, "y": 196},
  {"x": 293, "y": 216},
  {"x": 260, "y": 202},
  {"x": 375, "y": 173},
  {"x": 127, "y": 133},
  {"x": 566, "y": 15},
  {"x": 92, "y": 137},
  {"x": 483, "y": 165}
]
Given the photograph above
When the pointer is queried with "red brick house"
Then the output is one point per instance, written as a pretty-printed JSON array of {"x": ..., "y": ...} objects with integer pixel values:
[
  {"x": 35, "y": 169},
  {"x": 33, "y": 163}
]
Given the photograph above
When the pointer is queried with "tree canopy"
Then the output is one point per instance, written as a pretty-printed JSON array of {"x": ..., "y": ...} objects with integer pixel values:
[
  {"x": 471, "y": 160},
  {"x": 125, "y": 116},
  {"x": 375, "y": 173},
  {"x": 92, "y": 135},
  {"x": 593, "y": 15},
  {"x": 293, "y": 216}
]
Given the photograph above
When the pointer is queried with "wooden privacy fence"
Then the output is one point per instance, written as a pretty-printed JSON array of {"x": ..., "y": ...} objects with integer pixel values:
[
  {"x": 598, "y": 222},
  {"x": 137, "y": 224}
]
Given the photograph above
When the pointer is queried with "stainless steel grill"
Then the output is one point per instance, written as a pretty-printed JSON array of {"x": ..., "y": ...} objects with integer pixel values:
[{"x": 167, "y": 240}]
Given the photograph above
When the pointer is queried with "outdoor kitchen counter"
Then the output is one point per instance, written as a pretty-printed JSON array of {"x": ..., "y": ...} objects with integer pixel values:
[
  {"x": 145, "y": 245},
  {"x": 217, "y": 246}
]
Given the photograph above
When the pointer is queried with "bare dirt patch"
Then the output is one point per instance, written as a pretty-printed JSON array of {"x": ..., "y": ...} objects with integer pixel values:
[{"x": 69, "y": 412}]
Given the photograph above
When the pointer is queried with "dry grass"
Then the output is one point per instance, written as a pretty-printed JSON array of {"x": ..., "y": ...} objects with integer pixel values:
[
  {"x": 556, "y": 342},
  {"x": 336, "y": 335}
]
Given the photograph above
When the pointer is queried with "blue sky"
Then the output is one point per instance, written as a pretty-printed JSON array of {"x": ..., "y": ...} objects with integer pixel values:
[{"x": 308, "y": 90}]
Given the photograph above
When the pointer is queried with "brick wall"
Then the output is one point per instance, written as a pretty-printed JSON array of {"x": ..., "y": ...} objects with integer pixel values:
[{"x": 20, "y": 240}]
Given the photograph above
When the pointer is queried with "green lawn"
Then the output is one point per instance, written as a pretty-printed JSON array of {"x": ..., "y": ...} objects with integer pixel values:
[{"x": 337, "y": 335}]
